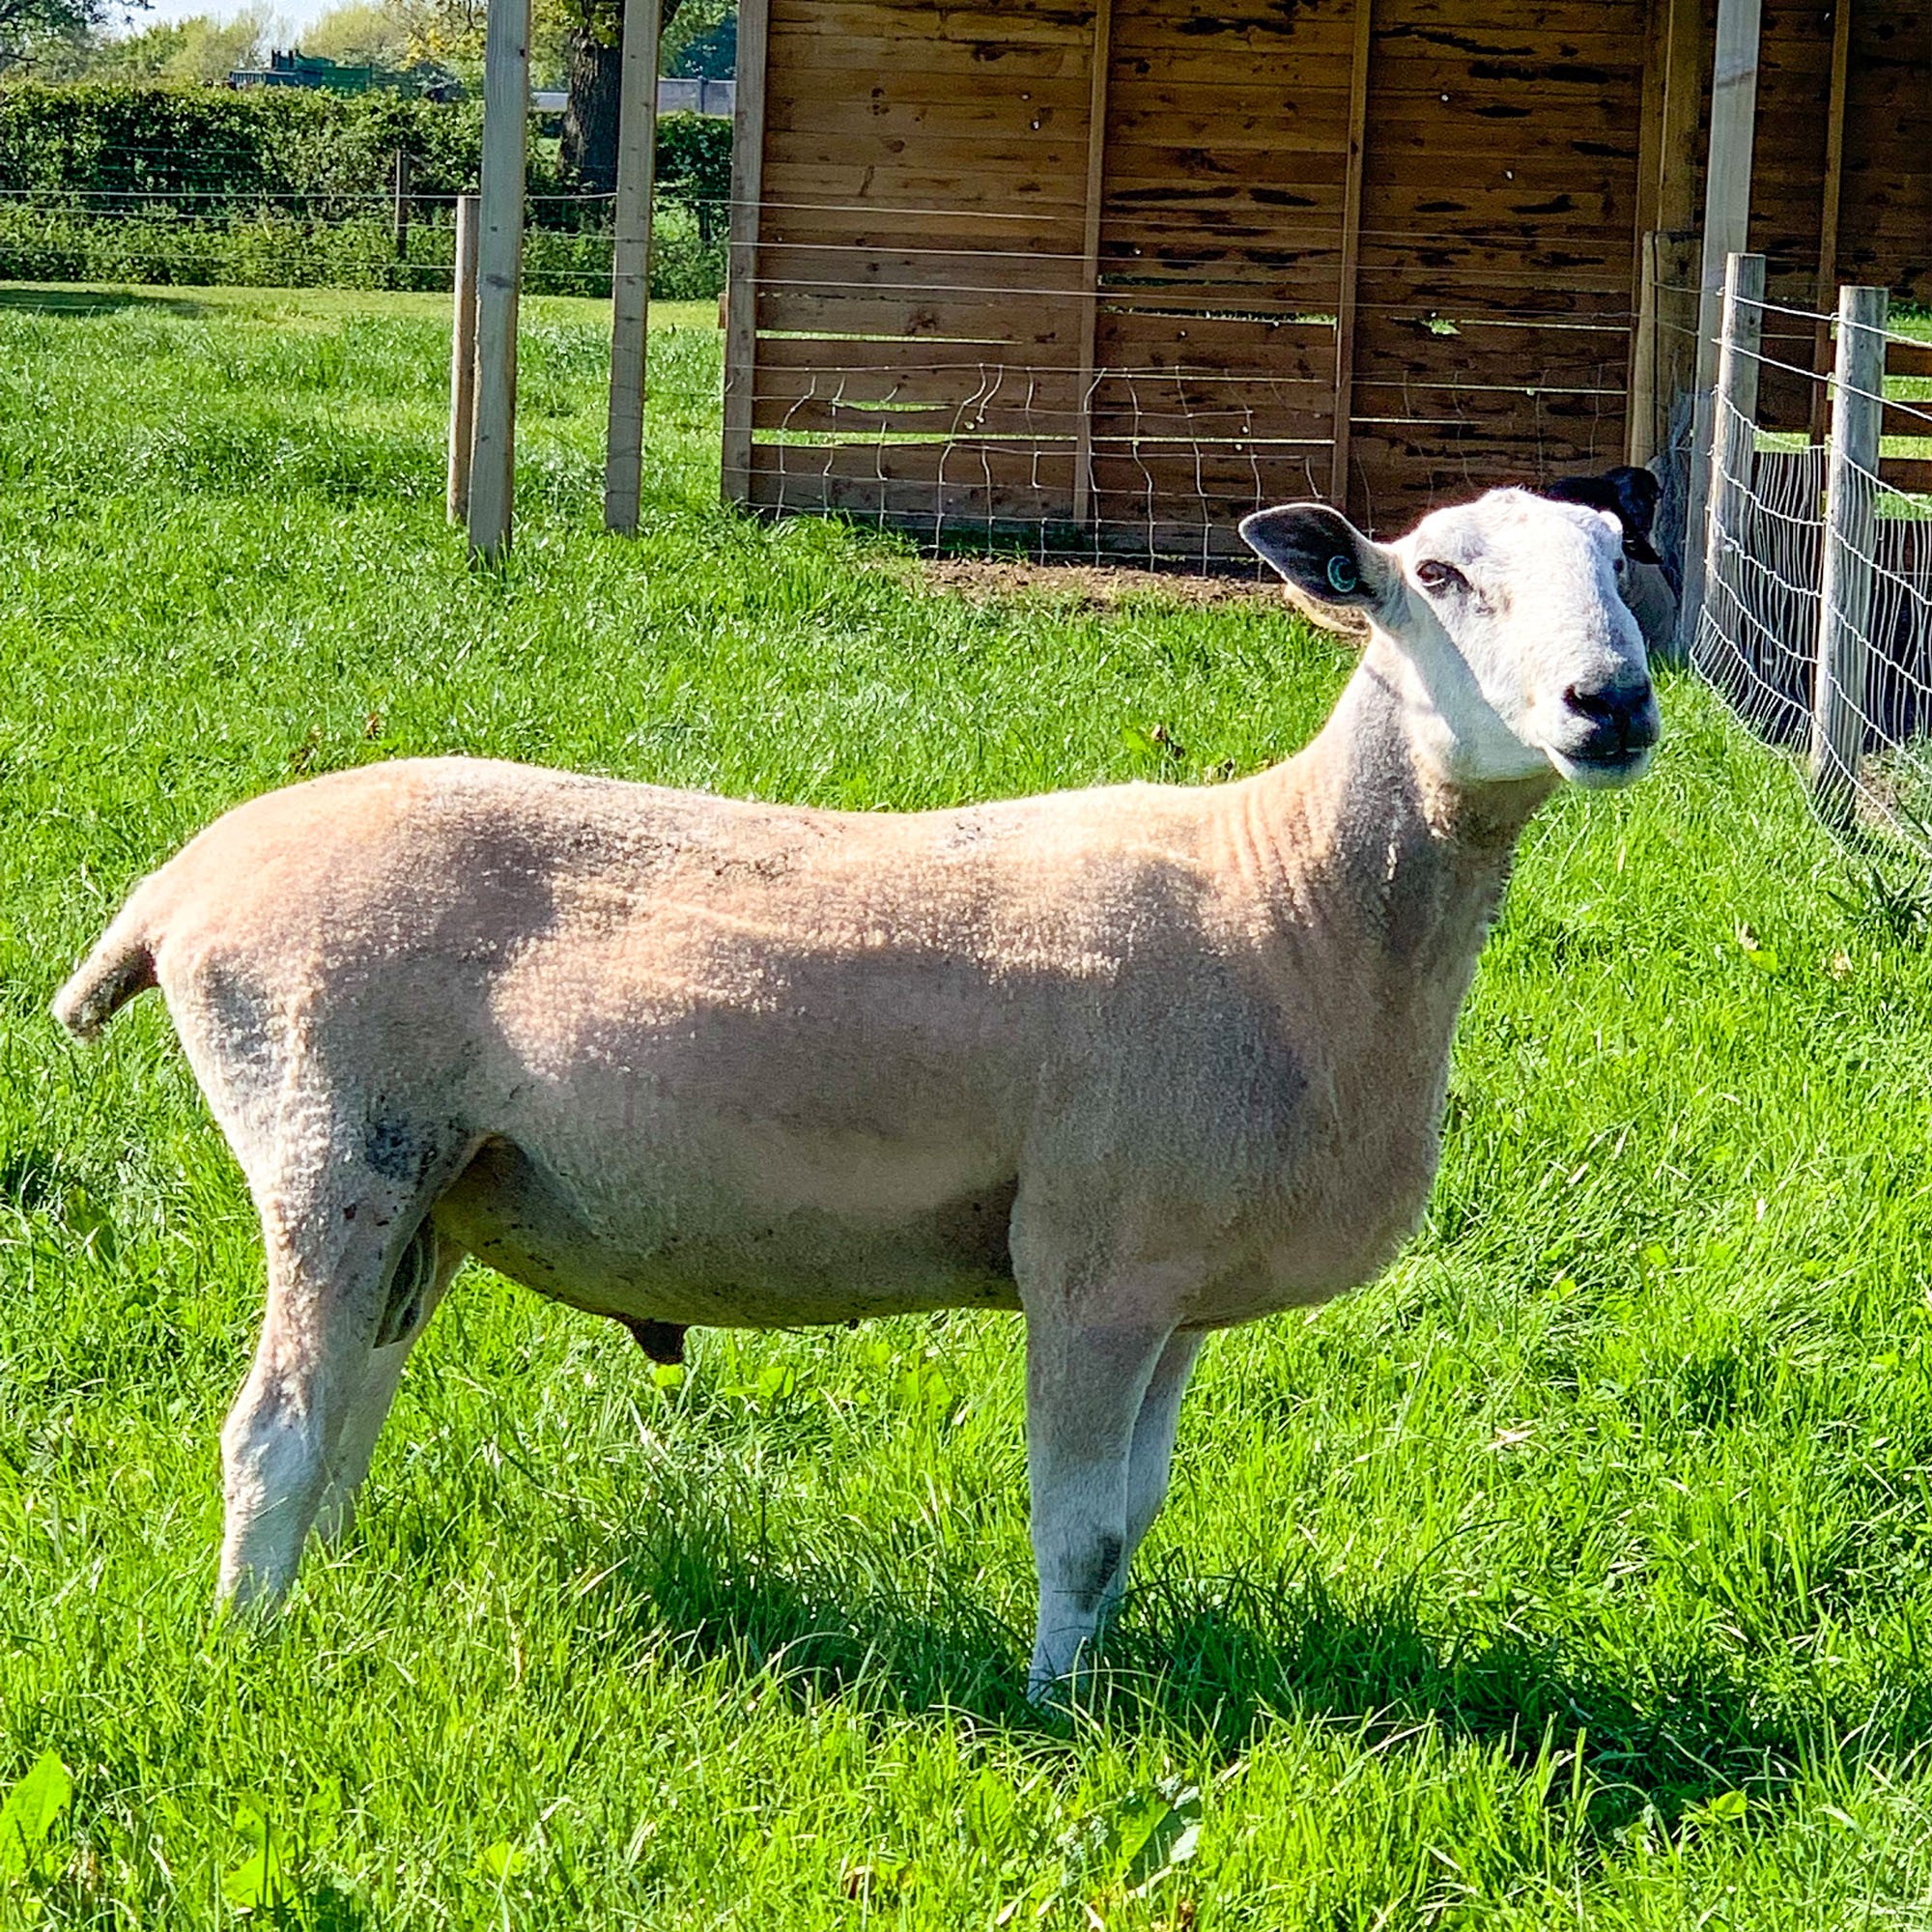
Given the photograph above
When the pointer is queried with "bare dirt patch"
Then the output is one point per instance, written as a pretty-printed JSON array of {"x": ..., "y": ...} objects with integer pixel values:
[{"x": 1098, "y": 587}]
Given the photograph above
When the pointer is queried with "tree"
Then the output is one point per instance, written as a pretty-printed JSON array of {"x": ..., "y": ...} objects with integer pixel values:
[
  {"x": 33, "y": 31},
  {"x": 360, "y": 34},
  {"x": 201, "y": 48},
  {"x": 593, "y": 66}
]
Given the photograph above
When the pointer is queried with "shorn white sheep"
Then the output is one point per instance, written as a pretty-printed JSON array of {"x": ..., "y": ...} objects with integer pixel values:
[{"x": 1139, "y": 1063}]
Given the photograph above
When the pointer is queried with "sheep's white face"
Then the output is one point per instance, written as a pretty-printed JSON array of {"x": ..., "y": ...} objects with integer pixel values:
[{"x": 1524, "y": 654}]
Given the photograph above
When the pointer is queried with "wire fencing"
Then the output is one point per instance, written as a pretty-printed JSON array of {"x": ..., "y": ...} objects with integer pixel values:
[
  {"x": 1815, "y": 618},
  {"x": 329, "y": 239}
]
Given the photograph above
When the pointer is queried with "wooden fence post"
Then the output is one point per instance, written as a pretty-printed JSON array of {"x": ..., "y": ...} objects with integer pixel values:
[
  {"x": 1099, "y": 64},
  {"x": 1844, "y": 592},
  {"x": 1343, "y": 420},
  {"x": 741, "y": 308},
  {"x": 499, "y": 256},
  {"x": 631, "y": 265},
  {"x": 404, "y": 171},
  {"x": 1734, "y": 437},
  {"x": 462, "y": 359},
  {"x": 1728, "y": 188}
]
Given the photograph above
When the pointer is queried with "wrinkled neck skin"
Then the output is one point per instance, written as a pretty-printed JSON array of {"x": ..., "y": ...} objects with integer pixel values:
[{"x": 1383, "y": 855}]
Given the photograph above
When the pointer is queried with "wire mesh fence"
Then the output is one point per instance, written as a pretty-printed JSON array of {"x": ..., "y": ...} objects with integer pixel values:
[{"x": 1816, "y": 612}]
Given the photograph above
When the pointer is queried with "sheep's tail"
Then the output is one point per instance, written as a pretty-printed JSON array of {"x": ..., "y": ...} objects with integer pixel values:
[{"x": 121, "y": 965}]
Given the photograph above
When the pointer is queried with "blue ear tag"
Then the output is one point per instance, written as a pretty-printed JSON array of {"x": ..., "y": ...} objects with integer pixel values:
[{"x": 1342, "y": 574}]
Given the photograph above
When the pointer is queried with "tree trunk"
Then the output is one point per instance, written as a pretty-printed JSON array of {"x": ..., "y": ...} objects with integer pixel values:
[{"x": 590, "y": 113}]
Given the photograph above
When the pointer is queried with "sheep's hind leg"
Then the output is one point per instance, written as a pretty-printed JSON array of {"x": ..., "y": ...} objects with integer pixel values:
[
  {"x": 336, "y": 1228},
  {"x": 1086, "y": 1388},
  {"x": 418, "y": 1283},
  {"x": 1152, "y": 1456}
]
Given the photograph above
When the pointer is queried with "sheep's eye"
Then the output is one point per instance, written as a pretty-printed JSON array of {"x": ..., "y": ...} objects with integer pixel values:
[
  {"x": 1434, "y": 576},
  {"x": 1623, "y": 563}
]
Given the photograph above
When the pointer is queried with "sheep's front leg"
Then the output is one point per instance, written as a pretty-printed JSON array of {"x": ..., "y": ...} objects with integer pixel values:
[{"x": 1086, "y": 1387}]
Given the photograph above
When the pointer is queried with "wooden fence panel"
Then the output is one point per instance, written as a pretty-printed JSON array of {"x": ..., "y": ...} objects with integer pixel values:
[{"x": 925, "y": 321}]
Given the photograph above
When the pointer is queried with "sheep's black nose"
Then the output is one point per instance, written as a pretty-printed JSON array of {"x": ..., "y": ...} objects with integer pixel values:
[{"x": 1622, "y": 717}]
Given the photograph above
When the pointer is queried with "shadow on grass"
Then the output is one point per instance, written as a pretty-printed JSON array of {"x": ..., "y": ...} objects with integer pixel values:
[
  {"x": 1209, "y": 1661},
  {"x": 93, "y": 301}
]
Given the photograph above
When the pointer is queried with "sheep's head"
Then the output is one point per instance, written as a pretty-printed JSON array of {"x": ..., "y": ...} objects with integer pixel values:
[{"x": 1523, "y": 654}]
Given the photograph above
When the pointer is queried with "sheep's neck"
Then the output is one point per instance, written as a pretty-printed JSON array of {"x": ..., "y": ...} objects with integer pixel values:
[{"x": 1376, "y": 862}]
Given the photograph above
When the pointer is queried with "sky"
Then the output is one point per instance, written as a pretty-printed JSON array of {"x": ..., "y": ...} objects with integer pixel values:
[{"x": 287, "y": 17}]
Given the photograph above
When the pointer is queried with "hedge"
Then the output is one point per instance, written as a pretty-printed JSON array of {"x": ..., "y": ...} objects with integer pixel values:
[
  {"x": 113, "y": 181},
  {"x": 276, "y": 250},
  {"x": 109, "y": 143}
]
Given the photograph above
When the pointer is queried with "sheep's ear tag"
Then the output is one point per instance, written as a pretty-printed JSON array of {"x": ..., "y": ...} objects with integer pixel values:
[{"x": 1343, "y": 576}]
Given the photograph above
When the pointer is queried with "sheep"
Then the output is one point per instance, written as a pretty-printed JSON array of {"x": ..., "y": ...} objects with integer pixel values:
[
  {"x": 1630, "y": 495},
  {"x": 1139, "y": 1063}
]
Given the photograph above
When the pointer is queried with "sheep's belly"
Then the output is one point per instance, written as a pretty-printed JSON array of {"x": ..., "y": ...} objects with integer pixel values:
[{"x": 704, "y": 1264}]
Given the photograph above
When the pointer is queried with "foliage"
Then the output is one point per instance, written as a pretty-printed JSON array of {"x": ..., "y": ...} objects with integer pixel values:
[
  {"x": 203, "y": 48},
  {"x": 693, "y": 158},
  {"x": 33, "y": 32},
  {"x": 362, "y": 32},
  {"x": 1575, "y": 1575},
  {"x": 99, "y": 138},
  {"x": 74, "y": 144},
  {"x": 280, "y": 249},
  {"x": 701, "y": 38}
]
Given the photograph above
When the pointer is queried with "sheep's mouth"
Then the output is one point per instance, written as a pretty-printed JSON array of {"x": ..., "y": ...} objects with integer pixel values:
[{"x": 1606, "y": 772}]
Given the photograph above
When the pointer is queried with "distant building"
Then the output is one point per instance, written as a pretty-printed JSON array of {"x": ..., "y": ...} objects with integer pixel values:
[
  {"x": 289, "y": 68},
  {"x": 697, "y": 96}
]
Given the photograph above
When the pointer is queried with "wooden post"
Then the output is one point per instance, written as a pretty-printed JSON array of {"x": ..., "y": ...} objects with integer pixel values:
[
  {"x": 1728, "y": 188},
  {"x": 741, "y": 316},
  {"x": 1827, "y": 211},
  {"x": 463, "y": 360},
  {"x": 1671, "y": 326},
  {"x": 1640, "y": 428},
  {"x": 499, "y": 256},
  {"x": 1089, "y": 255},
  {"x": 401, "y": 213},
  {"x": 1351, "y": 241},
  {"x": 631, "y": 265},
  {"x": 1844, "y": 596},
  {"x": 1736, "y": 441}
]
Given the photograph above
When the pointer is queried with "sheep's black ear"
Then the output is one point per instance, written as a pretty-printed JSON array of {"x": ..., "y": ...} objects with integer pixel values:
[{"x": 1320, "y": 554}]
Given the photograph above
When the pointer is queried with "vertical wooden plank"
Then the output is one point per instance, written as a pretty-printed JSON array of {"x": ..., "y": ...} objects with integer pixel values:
[
  {"x": 1727, "y": 186},
  {"x": 1685, "y": 57},
  {"x": 1742, "y": 334},
  {"x": 1671, "y": 327},
  {"x": 1641, "y": 369},
  {"x": 500, "y": 258},
  {"x": 1844, "y": 597},
  {"x": 1727, "y": 182},
  {"x": 1351, "y": 237},
  {"x": 741, "y": 315},
  {"x": 1650, "y": 120},
  {"x": 631, "y": 265},
  {"x": 1827, "y": 214},
  {"x": 462, "y": 359},
  {"x": 1089, "y": 255}
]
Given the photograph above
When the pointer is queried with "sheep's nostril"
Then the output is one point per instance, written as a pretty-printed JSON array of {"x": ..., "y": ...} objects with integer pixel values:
[
  {"x": 1595, "y": 705},
  {"x": 1621, "y": 715}
]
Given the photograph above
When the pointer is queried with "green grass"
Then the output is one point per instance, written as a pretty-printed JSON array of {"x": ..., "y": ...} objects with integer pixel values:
[{"x": 1575, "y": 1573}]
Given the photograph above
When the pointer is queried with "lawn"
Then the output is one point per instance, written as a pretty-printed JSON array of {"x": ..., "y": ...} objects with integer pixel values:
[{"x": 1576, "y": 1574}]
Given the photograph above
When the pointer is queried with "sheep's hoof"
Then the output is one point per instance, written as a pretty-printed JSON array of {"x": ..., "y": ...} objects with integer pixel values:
[{"x": 661, "y": 1341}]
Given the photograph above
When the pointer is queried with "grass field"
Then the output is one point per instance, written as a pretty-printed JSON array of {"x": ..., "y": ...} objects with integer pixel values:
[{"x": 1574, "y": 1575}]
